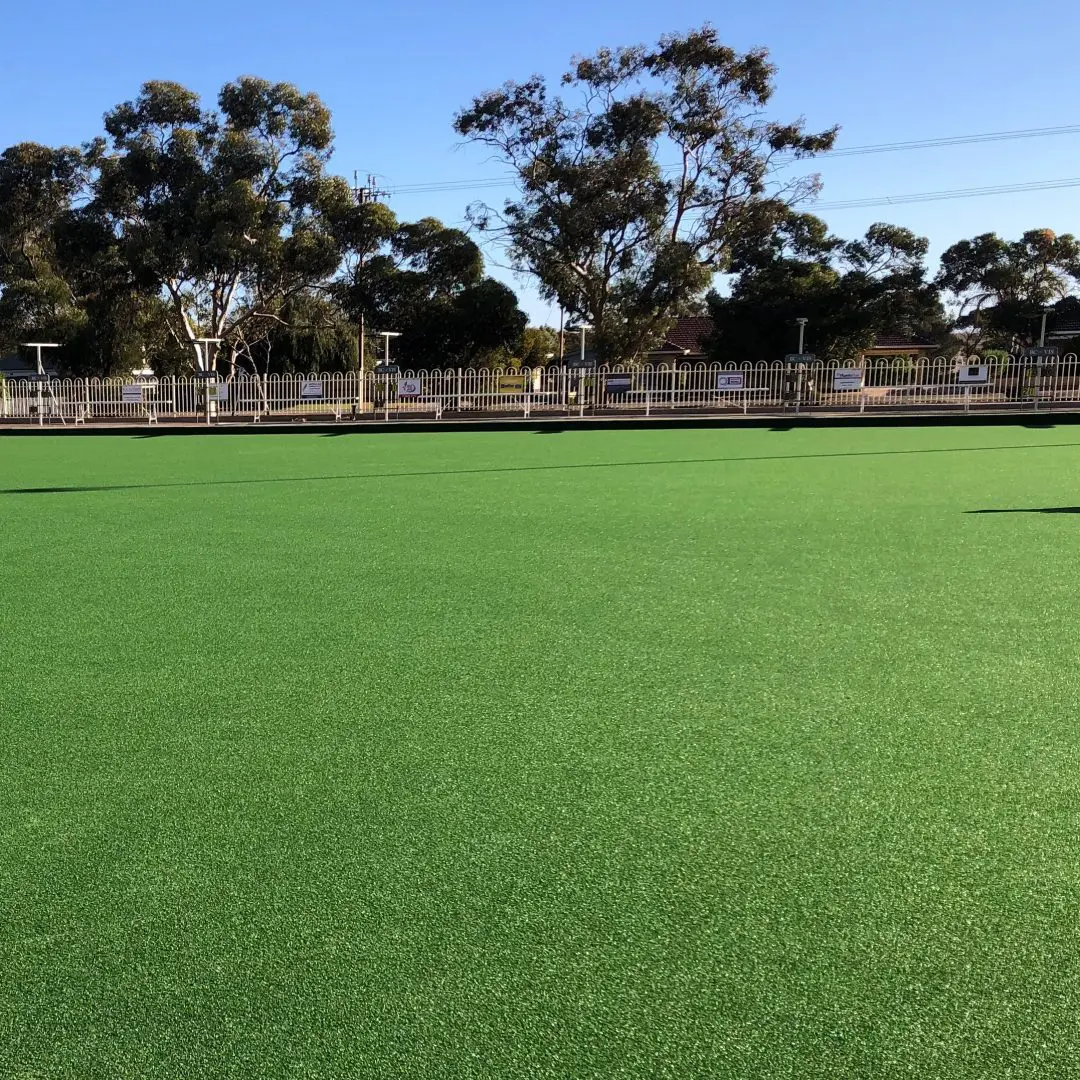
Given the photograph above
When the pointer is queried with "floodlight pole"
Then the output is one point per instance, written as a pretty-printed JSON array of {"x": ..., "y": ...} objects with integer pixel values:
[
  {"x": 204, "y": 358},
  {"x": 802, "y": 333},
  {"x": 388, "y": 334},
  {"x": 584, "y": 328},
  {"x": 1042, "y": 330},
  {"x": 37, "y": 346}
]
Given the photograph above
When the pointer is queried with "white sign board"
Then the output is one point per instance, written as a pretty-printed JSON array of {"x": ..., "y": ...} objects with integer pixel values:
[
  {"x": 847, "y": 378},
  {"x": 730, "y": 380},
  {"x": 131, "y": 393},
  {"x": 408, "y": 387},
  {"x": 311, "y": 390},
  {"x": 218, "y": 391},
  {"x": 973, "y": 373}
]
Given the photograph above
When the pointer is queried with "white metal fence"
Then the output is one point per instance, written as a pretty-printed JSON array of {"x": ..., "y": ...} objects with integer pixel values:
[{"x": 922, "y": 383}]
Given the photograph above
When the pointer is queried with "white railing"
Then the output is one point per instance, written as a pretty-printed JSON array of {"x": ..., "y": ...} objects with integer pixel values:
[{"x": 842, "y": 386}]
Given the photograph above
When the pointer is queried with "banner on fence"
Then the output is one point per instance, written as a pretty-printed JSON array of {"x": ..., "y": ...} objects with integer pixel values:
[
  {"x": 730, "y": 380},
  {"x": 847, "y": 378},
  {"x": 973, "y": 373},
  {"x": 618, "y": 382},
  {"x": 407, "y": 388},
  {"x": 131, "y": 393},
  {"x": 511, "y": 384},
  {"x": 217, "y": 392},
  {"x": 311, "y": 390}
]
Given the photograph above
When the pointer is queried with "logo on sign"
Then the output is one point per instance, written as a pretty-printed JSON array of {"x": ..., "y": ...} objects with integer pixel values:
[
  {"x": 408, "y": 387},
  {"x": 847, "y": 379},
  {"x": 730, "y": 380},
  {"x": 311, "y": 389}
]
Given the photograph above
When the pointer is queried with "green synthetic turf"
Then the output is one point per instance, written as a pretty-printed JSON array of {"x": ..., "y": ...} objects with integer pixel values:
[{"x": 592, "y": 754}]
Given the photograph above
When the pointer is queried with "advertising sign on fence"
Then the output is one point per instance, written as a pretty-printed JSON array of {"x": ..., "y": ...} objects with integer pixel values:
[
  {"x": 847, "y": 378},
  {"x": 973, "y": 373},
  {"x": 217, "y": 391},
  {"x": 511, "y": 384},
  {"x": 618, "y": 383},
  {"x": 131, "y": 393},
  {"x": 407, "y": 388},
  {"x": 730, "y": 380},
  {"x": 311, "y": 390}
]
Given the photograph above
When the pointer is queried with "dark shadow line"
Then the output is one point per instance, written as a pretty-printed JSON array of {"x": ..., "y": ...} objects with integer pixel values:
[
  {"x": 524, "y": 468},
  {"x": 1031, "y": 510}
]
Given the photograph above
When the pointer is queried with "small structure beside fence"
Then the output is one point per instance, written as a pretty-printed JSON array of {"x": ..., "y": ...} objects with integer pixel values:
[{"x": 798, "y": 385}]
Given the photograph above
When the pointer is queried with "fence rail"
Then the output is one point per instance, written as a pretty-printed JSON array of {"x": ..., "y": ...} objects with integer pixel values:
[{"x": 920, "y": 383}]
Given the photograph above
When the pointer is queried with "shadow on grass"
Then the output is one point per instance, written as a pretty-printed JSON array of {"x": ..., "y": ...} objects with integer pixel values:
[
  {"x": 509, "y": 469},
  {"x": 1031, "y": 510}
]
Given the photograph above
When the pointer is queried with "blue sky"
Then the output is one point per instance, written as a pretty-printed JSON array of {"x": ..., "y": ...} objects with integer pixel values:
[{"x": 394, "y": 74}]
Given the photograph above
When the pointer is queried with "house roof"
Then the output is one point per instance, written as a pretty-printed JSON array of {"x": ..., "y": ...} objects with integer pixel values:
[
  {"x": 686, "y": 337},
  {"x": 1064, "y": 328},
  {"x": 915, "y": 342},
  {"x": 16, "y": 367}
]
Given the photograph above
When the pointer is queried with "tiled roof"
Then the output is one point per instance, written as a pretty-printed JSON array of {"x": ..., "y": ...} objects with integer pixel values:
[
  {"x": 688, "y": 335},
  {"x": 1067, "y": 326},
  {"x": 904, "y": 341}
]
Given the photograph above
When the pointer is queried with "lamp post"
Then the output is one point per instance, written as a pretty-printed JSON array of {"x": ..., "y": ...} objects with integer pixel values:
[
  {"x": 388, "y": 334},
  {"x": 37, "y": 346},
  {"x": 203, "y": 354},
  {"x": 202, "y": 363},
  {"x": 384, "y": 369},
  {"x": 802, "y": 333},
  {"x": 584, "y": 328}
]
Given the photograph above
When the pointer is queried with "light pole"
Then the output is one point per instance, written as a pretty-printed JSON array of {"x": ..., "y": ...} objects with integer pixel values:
[
  {"x": 202, "y": 363},
  {"x": 37, "y": 346},
  {"x": 802, "y": 333},
  {"x": 1042, "y": 330},
  {"x": 388, "y": 334},
  {"x": 584, "y": 328},
  {"x": 202, "y": 356}
]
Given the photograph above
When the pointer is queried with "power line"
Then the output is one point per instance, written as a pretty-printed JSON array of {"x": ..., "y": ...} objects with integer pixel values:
[
  {"x": 509, "y": 179},
  {"x": 955, "y": 140},
  {"x": 957, "y": 193}
]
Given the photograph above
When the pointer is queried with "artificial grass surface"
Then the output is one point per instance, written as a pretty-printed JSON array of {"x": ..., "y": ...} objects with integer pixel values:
[{"x": 596, "y": 754}]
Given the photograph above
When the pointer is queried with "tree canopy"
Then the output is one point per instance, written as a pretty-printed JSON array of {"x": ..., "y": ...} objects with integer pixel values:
[
  {"x": 999, "y": 288},
  {"x": 611, "y": 230},
  {"x": 206, "y": 237},
  {"x": 193, "y": 234},
  {"x": 848, "y": 291}
]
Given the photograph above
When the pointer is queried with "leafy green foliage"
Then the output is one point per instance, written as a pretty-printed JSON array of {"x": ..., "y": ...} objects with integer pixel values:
[
  {"x": 1000, "y": 287},
  {"x": 848, "y": 291},
  {"x": 539, "y": 346},
  {"x": 610, "y": 233},
  {"x": 225, "y": 212},
  {"x": 427, "y": 283}
]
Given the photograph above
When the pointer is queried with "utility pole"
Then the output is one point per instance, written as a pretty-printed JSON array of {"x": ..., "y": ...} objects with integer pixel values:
[{"x": 368, "y": 193}]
